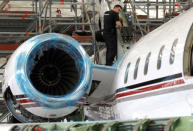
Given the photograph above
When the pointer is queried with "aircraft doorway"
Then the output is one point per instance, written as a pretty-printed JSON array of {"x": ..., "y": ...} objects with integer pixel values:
[{"x": 188, "y": 54}]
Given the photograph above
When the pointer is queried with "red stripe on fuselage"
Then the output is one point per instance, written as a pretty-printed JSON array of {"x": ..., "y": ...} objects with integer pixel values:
[
  {"x": 25, "y": 101},
  {"x": 150, "y": 88}
]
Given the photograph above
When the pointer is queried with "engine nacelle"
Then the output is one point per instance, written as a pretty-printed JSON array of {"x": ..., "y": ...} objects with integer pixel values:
[{"x": 46, "y": 77}]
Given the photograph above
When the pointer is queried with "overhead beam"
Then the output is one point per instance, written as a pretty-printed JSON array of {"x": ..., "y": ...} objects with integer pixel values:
[
  {"x": 3, "y": 4},
  {"x": 31, "y": 0}
]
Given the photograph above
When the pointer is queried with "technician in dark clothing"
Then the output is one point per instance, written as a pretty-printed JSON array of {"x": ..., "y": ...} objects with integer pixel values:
[{"x": 111, "y": 20}]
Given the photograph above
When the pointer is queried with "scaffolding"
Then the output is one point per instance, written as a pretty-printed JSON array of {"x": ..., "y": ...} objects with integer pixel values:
[
  {"x": 43, "y": 17},
  {"x": 145, "y": 16},
  {"x": 72, "y": 17}
]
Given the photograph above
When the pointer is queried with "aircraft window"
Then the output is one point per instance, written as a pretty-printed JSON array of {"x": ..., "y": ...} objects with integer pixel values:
[
  {"x": 160, "y": 57},
  {"x": 147, "y": 63},
  {"x": 136, "y": 68},
  {"x": 172, "y": 54},
  {"x": 126, "y": 73}
]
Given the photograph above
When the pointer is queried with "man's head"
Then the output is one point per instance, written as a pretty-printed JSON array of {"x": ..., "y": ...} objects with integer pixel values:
[{"x": 117, "y": 8}]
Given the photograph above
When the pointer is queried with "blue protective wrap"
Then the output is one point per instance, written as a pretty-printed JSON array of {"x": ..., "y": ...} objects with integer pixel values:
[
  {"x": 11, "y": 108},
  {"x": 119, "y": 61},
  {"x": 25, "y": 62}
]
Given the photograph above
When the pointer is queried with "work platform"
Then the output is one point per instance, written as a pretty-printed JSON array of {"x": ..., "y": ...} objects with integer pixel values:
[{"x": 167, "y": 124}]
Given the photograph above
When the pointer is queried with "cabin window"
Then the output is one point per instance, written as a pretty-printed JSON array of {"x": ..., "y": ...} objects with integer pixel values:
[
  {"x": 136, "y": 68},
  {"x": 147, "y": 63},
  {"x": 160, "y": 57},
  {"x": 127, "y": 73},
  {"x": 172, "y": 53}
]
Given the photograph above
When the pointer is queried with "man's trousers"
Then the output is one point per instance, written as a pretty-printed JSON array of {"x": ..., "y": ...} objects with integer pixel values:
[{"x": 111, "y": 44}]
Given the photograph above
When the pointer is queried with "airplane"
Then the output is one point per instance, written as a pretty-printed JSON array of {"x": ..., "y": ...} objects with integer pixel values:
[{"x": 50, "y": 76}]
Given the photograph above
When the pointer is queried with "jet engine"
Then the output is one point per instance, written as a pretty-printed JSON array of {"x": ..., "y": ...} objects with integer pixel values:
[{"x": 46, "y": 78}]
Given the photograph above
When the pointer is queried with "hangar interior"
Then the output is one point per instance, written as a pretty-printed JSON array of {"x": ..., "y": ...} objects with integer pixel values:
[{"x": 80, "y": 19}]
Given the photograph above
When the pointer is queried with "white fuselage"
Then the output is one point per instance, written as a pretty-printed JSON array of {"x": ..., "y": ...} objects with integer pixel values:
[{"x": 165, "y": 89}]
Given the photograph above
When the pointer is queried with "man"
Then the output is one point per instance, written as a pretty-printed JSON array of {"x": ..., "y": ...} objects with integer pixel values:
[{"x": 111, "y": 20}]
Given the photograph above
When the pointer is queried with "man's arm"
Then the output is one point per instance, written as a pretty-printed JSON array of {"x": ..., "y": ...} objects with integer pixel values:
[{"x": 118, "y": 23}]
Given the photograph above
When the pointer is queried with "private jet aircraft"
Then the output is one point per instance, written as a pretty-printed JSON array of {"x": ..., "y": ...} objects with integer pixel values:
[{"x": 50, "y": 76}]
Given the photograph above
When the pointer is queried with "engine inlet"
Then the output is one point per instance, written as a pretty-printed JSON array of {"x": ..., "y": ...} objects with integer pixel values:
[{"x": 55, "y": 72}]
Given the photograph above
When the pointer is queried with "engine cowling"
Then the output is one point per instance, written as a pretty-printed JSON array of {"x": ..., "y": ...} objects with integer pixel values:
[{"x": 46, "y": 78}]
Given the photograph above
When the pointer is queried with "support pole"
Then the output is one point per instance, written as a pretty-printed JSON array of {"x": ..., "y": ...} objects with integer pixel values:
[
  {"x": 157, "y": 10},
  {"x": 36, "y": 11},
  {"x": 50, "y": 20},
  {"x": 94, "y": 28},
  {"x": 39, "y": 16},
  {"x": 3, "y": 4}
]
